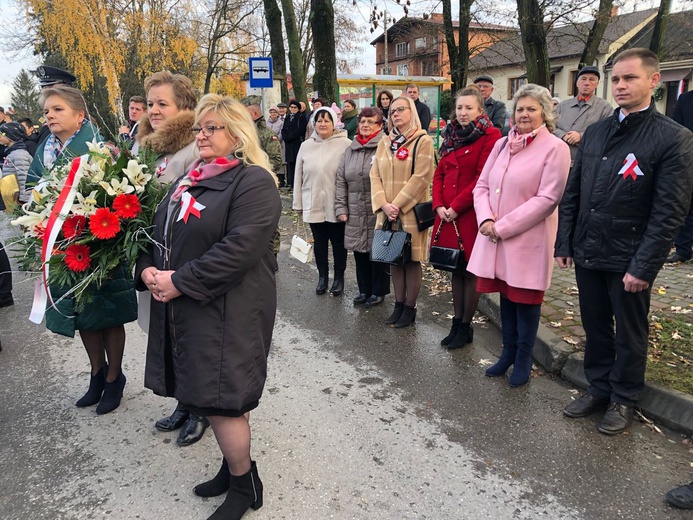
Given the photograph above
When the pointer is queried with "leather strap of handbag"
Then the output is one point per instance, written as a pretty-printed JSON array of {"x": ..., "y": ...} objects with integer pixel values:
[{"x": 437, "y": 235}]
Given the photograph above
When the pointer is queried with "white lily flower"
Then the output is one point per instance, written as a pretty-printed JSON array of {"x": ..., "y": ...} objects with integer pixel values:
[
  {"x": 86, "y": 205},
  {"x": 33, "y": 223},
  {"x": 97, "y": 147},
  {"x": 95, "y": 171},
  {"x": 117, "y": 187},
  {"x": 134, "y": 172}
]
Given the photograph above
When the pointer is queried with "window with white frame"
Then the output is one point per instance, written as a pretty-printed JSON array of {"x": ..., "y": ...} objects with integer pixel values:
[
  {"x": 515, "y": 84},
  {"x": 420, "y": 43},
  {"x": 402, "y": 70},
  {"x": 401, "y": 49}
]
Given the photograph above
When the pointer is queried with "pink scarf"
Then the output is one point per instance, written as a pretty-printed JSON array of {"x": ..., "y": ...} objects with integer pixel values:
[
  {"x": 202, "y": 171},
  {"x": 518, "y": 141}
]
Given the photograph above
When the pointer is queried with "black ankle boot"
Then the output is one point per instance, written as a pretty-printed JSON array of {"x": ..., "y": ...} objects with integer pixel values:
[
  {"x": 465, "y": 334},
  {"x": 112, "y": 394},
  {"x": 193, "y": 430},
  {"x": 453, "y": 331},
  {"x": 96, "y": 384},
  {"x": 218, "y": 485},
  {"x": 399, "y": 308},
  {"x": 173, "y": 421},
  {"x": 244, "y": 491},
  {"x": 337, "y": 286},
  {"x": 407, "y": 318},
  {"x": 321, "y": 288}
]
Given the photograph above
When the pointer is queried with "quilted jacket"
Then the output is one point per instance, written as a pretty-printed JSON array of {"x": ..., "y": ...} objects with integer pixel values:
[{"x": 627, "y": 194}]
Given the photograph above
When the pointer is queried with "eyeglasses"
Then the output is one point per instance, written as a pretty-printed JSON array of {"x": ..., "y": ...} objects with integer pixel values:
[
  {"x": 400, "y": 109},
  {"x": 207, "y": 131},
  {"x": 368, "y": 122}
]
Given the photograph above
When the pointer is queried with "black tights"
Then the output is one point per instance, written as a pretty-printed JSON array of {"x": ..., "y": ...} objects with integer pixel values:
[
  {"x": 465, "y": 298},
  {"x": 407, "y": 282},
  {"x": 105, "y": 342}
]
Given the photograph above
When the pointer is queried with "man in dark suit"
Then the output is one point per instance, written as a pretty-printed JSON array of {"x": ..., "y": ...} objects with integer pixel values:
[{"x": 683, "y": 114}]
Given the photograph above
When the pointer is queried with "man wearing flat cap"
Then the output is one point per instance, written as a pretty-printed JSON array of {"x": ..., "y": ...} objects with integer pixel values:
[
  {"x": 49, "y": 76},
  {"x": 495, "y": 110},
  {"x": 577, "y": 113}
]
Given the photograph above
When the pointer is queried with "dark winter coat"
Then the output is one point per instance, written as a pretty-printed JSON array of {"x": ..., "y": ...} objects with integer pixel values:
[
  {"x": 353, "y": 194},
  {"x": 220, "y": 328},
  {"x": 293, "y": 132},
  {"x": 683, "y": 111},
  {"x": 453, "y": 184},
  {"x": 609, "y": 220},
  {"x": 496, "y": 111},
  {"x": 424, "y": 114}
]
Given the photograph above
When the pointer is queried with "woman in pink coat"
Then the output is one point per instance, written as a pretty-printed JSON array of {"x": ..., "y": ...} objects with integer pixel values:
[
  {"x": 467, "y": 143},
  {"x": 515, "y": 202}
]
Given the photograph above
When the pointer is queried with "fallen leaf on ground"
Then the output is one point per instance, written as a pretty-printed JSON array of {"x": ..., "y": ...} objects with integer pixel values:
[
  {"x": 485, "y": 362},
  {"x": 661, "y": 290},
  {"x": 555, "y": 324},
  {"x": 570, "y": 340},
  {"x": 570, "y": 303},
  {"x": 435, "y": 313},
  {"x": 676, "y": 335}
]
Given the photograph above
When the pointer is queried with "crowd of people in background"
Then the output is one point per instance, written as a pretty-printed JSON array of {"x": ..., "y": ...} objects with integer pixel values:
[{"x": 605, "y": 188}]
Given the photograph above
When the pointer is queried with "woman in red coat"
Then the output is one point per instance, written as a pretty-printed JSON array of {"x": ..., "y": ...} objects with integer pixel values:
[{"x": 467, "y": 143}]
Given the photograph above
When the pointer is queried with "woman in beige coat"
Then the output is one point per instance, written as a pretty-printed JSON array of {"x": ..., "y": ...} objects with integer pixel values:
[
  {"x": 397, "y": 184},
  {"x": 314, "y": 195}
]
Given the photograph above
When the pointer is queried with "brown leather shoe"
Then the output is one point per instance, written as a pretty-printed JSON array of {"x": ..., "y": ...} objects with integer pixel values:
[
  {"x": 616, "y": 419},
  {"x": 585, "y": 405}
]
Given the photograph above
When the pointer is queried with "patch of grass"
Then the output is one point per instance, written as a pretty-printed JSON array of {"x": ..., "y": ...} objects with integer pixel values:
[{"x": 670, "y": 356}]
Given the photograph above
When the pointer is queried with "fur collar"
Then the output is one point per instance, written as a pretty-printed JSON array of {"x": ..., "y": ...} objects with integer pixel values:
[{"x": 174, "y": 135}]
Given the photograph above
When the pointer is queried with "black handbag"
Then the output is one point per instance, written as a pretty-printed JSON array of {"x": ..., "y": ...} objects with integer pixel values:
[
  {"x": 425, "y": 217},
  {"x": 447, "y": 258},
  {"x": 391, "y": 247}
]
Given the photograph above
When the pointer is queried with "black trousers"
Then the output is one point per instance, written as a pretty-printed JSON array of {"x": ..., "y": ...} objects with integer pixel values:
[
  {"x": 617, "y": 329},
  {"x": 290, "y": 169},
  {"x": 323, "y": 234},
  {"x": 372, "y": 277},
  {"x": 5, "y": 277}
]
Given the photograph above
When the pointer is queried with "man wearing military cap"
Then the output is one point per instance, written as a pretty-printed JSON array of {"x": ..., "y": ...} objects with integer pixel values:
[
  {"x": 579, "y": 112},
  {"x": 49, "y": 76},
  {"x": 495, "y": 110}
]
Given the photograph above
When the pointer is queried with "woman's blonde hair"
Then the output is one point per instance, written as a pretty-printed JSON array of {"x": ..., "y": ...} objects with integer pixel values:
[
  {"x": 72, "y": 96},
  {"x": 238, "y": 125},
  {"x": 415, "y": 121},
  {"x": 542, "y": 96},
  {"x": 469, "y": 90}
]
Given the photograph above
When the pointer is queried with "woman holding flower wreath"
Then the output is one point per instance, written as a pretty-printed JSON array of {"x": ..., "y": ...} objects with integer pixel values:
[
  {"x": 100, "y": 322},
  {"x": 214, "y": 291}
]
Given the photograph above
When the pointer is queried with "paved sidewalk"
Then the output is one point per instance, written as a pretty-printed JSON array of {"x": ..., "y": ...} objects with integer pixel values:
[{"x": 672, "y": 293}]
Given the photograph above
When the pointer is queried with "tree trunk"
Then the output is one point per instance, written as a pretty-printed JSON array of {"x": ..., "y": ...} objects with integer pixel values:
[
  {"x": 660, "y": 27},
  {"x": 594, "y": 38},
  {"x": 463, "y": 53},
  {"x": 298, "y": 79},
  {"x": 273, "y": 17},
  {"x": 533, "y": 31},
  {"x": 322, "y": 23},
  {"x": 451, "y": 45}
]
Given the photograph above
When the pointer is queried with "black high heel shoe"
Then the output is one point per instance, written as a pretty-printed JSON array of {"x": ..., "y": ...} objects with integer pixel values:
[
  {"x": 96, "y": 384},
  {"x": 218, "y": 485},
  {"x": 321, "y": 288},
  {"x": 112, "y": 394}
]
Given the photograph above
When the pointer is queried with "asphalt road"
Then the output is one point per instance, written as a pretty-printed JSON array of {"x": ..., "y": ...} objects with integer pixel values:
[{"x": 358, "y": 421}]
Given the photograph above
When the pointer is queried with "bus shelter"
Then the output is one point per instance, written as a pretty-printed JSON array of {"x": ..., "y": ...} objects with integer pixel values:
[{"x": 363, "y": 90}]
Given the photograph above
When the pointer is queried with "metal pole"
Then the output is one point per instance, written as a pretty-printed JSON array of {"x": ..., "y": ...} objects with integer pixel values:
[{"x": 387, "y": 67}]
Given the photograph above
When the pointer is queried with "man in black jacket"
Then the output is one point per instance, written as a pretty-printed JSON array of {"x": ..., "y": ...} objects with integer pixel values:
[
  {"x": 422, "y": 109},
  {"x": 626, "y": 198}
]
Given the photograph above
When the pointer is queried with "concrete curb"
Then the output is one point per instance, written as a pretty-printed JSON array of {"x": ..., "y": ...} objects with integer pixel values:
[{"x": 672, "y": 408}]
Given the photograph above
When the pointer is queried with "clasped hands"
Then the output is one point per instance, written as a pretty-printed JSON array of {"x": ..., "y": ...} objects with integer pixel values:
[
  {"x": 488, "y": 229},
  {"x": 160, "y": 284},
  {"x": 391, "y": 211},
  {"x": 446, "y": 215}
]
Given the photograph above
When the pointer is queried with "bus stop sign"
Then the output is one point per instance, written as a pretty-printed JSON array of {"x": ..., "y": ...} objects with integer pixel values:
[{"x": 261, "y": 74}]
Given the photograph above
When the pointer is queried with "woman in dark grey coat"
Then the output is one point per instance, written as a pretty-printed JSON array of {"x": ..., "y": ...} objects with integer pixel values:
[
  {"x": 211, "y": 275},
  {"x": 353, "y": 206}
]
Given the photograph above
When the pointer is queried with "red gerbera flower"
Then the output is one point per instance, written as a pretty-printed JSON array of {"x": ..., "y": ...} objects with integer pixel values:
[
  {"x": 104, "y": 224},
  {"x": 127, "y": 206},
  {"x": 77, "y": 257},
  {"x": 73, "y": 226}
]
